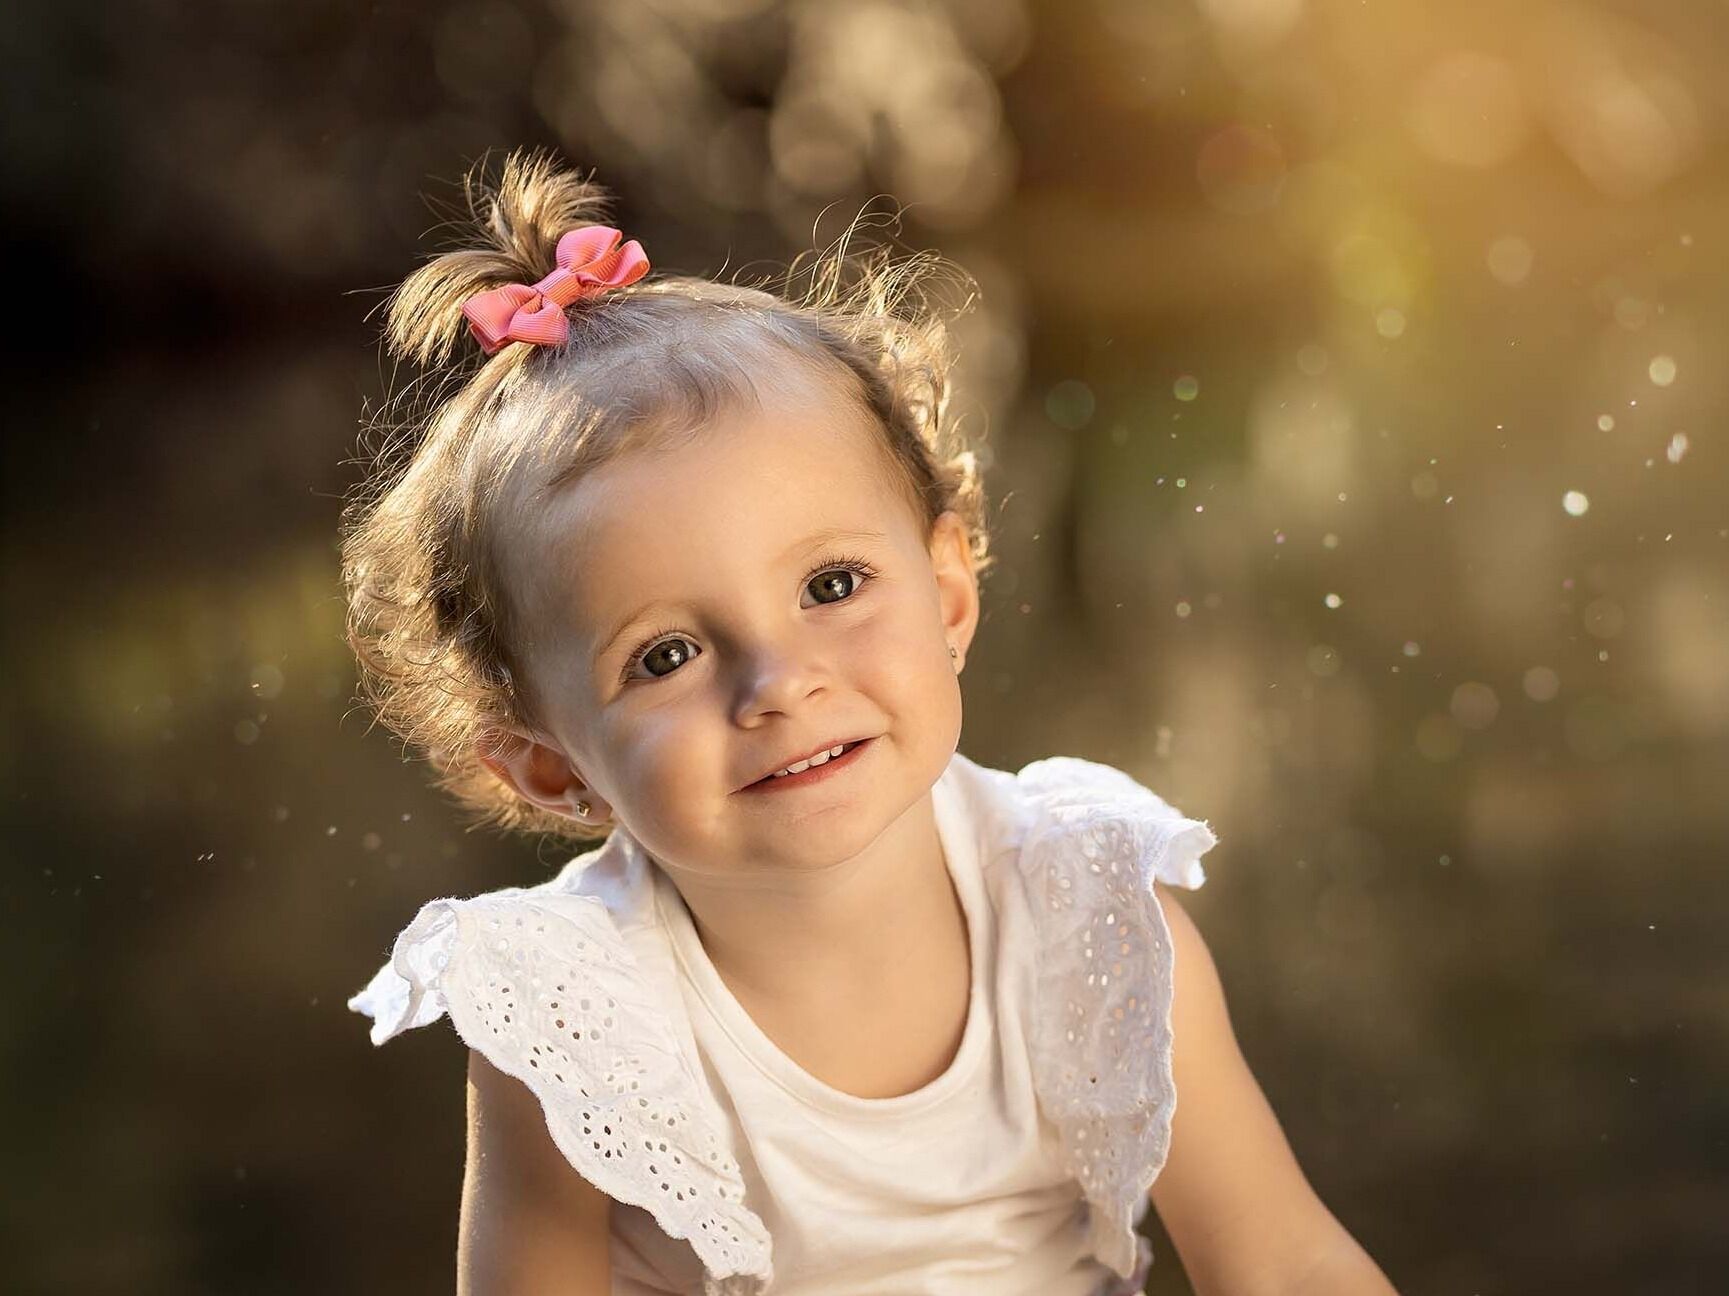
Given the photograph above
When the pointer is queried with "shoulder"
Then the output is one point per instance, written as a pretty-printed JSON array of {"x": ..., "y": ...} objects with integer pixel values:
[
  {"x": 563, "y": 989},
  {"x": 1100, "y": 815},
  {"x": 1081, "y": 842},
  {"x": 1060, "y": 787},
  {"x": 593, "y": 920}
]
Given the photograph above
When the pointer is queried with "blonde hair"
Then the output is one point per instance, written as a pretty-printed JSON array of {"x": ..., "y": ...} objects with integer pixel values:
[{"x": 438, "y": 632}]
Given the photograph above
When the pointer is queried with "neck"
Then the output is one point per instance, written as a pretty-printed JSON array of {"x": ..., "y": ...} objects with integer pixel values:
[{"x": 876, "y": 915}]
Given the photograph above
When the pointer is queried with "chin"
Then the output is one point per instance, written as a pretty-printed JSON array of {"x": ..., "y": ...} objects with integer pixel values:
[
  {"x": 824, "y": 839},
  {"x": 832, "y": 836}
]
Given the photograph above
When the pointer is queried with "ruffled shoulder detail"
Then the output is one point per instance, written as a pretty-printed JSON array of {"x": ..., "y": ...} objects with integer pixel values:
[
  {"x": 542, "y": 982},
  {"x": 1095, "y": 841}
]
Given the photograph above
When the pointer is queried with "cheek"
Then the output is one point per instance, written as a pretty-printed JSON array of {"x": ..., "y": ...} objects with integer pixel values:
[
  {"x": 667, "y": 759},
  {"x": 902, "y": 662},
  {"x": 902, "y": 645}
]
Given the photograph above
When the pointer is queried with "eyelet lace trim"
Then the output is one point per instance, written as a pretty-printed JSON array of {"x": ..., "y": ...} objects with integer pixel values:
[
  {"x": 1101, "y": 1043},
  {"x": 547, "y": 990}
]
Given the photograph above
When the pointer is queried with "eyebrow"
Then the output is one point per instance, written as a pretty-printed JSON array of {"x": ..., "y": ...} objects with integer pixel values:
[{"x": 826, "y": 536}]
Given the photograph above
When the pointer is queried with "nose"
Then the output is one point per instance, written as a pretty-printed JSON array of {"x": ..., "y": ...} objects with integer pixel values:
[{"x": 774, "y": 677}]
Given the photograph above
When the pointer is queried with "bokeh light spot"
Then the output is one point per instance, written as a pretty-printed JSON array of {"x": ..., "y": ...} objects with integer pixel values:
[
  {"x": 1070, "y": 404},
  {"x": 1474, "y": 705},
  {"x": 1510, "y": 259},
  {"x": 1541, "y": 684}
]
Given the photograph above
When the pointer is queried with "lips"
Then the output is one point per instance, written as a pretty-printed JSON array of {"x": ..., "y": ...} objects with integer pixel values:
[{"x": 847, "y": 744}]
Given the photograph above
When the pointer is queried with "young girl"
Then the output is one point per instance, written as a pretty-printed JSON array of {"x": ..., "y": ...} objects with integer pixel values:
[{"x": 831, "y": 1008}]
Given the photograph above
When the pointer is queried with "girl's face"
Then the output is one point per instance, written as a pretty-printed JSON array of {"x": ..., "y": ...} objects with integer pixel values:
[{"x": 726, "y": 606}]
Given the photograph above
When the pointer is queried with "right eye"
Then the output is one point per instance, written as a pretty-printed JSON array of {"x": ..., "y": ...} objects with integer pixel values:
[{"x": 661, "y": 655}]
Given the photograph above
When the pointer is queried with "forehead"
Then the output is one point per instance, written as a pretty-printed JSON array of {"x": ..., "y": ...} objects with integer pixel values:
[{"x": 734, "y": 493}]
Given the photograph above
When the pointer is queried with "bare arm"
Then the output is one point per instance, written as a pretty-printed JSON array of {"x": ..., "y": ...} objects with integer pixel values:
[
  {"x": 1242, "y": 1215},
  {"x": 531, "y": 1226}
]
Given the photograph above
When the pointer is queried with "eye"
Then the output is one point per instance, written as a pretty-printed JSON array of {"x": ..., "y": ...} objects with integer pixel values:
[
  {"x": 838, "y": 579},
  {"x": 661, "y": 654}
]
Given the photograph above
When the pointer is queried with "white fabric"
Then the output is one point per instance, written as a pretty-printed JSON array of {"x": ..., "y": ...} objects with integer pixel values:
[{"x": 1023, "y": 1168}]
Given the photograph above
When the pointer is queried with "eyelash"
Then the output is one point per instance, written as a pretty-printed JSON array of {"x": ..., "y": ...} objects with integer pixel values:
[{"x": 842, "y": 562}]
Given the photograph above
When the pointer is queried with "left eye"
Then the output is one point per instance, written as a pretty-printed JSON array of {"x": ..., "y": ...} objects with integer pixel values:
[
  {"x": 837, "y": 583},
  {"x": 834, "y": 585}
]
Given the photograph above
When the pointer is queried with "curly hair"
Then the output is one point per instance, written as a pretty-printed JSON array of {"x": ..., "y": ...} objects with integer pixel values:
[{"x": 470, "y": 447}]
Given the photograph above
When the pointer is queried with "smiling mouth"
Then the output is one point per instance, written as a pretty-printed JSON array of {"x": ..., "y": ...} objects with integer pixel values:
[{"x": 846, "y": 750}]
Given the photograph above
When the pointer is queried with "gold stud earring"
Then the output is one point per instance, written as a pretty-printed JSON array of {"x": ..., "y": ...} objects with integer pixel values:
[
  {"x": 952, "y": 652},
  {"x": 582, "y": 808}
]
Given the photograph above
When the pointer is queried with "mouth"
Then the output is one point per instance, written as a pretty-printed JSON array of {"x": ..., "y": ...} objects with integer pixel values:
[{"x": 813, "y": 773}]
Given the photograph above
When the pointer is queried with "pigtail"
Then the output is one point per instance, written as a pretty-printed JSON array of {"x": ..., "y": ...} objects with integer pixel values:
[{"x": 508, "y": 232}]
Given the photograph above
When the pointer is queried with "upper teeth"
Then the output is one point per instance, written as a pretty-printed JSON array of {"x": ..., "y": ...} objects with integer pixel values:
[{"x": 818, "y": 759}]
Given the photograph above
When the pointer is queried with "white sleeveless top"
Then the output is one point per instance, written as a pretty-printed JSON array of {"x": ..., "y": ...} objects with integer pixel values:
[{"x": 1023, "y": 1168}]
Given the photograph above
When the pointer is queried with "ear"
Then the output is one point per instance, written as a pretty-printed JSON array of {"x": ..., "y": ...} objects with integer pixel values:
[
  {"x": 957, "y": 582},
  {"x": 541, "y": 774}
]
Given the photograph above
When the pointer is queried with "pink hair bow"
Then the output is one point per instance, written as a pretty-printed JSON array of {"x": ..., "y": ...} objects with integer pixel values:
[{"x": 590, "y": 261}]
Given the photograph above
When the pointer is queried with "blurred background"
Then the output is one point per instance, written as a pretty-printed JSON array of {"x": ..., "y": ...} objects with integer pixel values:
[{"x": 1345, "y": 374}]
